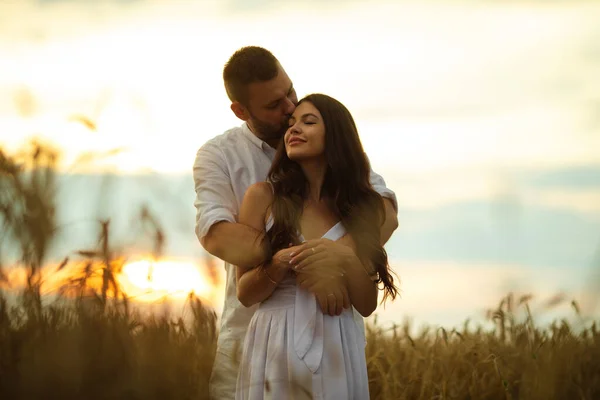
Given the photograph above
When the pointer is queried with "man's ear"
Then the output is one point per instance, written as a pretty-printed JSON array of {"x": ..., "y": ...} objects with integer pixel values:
[{"x": 240, "y": 111}]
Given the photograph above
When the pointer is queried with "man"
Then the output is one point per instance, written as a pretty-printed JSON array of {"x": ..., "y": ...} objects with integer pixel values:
[{"x": 263, "y": 96}]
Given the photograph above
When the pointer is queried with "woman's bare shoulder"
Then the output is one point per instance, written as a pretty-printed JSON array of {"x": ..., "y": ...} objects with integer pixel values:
[{"x": 260, "y": 193}]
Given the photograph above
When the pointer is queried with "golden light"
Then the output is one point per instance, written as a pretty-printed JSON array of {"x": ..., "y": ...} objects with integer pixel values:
[{"x": 147, "y": 280}]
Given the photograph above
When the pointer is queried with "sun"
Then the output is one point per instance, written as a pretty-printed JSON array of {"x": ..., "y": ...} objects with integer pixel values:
[{"x": 147, "y": 280}]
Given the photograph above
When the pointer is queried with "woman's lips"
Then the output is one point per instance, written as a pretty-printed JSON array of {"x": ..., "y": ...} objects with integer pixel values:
[{"x": 293, "y": 142}]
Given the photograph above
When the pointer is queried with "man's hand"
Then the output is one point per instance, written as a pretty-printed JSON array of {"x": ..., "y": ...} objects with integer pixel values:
[
  {"x": 330, "y": 291},
  {"x": 320, "y": 265}
]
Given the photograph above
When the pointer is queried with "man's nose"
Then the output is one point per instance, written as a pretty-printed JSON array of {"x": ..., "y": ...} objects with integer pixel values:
[{"x": 289, "y": 106}]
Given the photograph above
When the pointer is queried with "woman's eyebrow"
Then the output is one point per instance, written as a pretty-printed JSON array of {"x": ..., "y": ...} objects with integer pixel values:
[{"x": 303, "y": 117}]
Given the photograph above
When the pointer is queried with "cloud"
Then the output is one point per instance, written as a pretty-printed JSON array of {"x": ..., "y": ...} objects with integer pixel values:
[
  {"x": 485, "y": 230},
  {"x": 501, "y": 232},
  {"x": 573, "y": 188},
  {"x": 447, "y": 293},
  {"x": 575, "y": 177}
]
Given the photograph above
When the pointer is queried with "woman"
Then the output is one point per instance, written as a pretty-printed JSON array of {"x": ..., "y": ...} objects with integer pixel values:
[{"x": 318, "y": 187}]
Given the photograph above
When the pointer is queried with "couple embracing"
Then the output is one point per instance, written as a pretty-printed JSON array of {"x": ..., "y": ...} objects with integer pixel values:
[{"x": 289, "y": 201}]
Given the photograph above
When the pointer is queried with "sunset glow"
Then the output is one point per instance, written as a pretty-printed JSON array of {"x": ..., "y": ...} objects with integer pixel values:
[{"x": 151, "y": 280}]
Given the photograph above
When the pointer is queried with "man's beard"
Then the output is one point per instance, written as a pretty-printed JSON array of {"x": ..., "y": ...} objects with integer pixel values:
[{"x": 267, "y": 131}]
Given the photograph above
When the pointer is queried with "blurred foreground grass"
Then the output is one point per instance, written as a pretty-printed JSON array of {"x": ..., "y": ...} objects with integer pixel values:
[{"x": 87, "y": 343}]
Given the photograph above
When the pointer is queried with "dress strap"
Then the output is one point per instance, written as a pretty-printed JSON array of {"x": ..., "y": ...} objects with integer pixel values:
[{"x": 269, "y": 223}]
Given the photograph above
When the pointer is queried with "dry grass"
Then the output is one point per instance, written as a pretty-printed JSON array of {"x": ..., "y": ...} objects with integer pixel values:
[
  {"x": 88, "y": 344},
  {"x": 76, "y": 353},
  {"x": 516, "y": 360}
]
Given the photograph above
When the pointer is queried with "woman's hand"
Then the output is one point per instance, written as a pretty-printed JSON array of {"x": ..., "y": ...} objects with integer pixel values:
[
  {"x": 322, "y": 255},
  {"x": 282, "y": 258}
]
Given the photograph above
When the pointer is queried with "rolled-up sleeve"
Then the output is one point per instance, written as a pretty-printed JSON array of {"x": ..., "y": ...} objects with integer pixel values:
[
  {"x": 215, "y": 199},
  {"x": 380, "y": 187}
]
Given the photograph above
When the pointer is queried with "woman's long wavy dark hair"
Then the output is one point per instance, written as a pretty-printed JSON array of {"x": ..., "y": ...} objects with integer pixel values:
[{"x": 347, "y": 187}]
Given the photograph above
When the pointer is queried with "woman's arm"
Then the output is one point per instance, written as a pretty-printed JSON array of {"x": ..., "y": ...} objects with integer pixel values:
[{"x": 256, "y": 284}]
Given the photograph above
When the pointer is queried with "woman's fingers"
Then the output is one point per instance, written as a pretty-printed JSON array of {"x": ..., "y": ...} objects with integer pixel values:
[
  {"x": 304, "y": 250},
  {"x": 311, "y": 258}
]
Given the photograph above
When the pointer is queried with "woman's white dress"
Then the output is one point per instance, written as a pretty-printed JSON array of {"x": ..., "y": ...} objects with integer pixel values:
[{"x": 293, "y": 351}]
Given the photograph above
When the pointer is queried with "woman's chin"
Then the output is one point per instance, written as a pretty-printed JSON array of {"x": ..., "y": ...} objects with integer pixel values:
[
  {"x": 301, "y": 156},
  {"x": 295, "y": 156}
]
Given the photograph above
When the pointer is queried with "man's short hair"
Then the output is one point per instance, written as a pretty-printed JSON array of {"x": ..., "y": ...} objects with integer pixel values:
[{"x": 248, "y": 65}]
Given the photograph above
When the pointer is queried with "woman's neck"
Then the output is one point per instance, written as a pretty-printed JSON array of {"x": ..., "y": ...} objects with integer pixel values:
[{"x": 314, "y": 171}]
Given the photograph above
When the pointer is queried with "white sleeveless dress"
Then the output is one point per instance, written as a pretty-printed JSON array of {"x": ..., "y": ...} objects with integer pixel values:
[{"x": 293, "y": 351}]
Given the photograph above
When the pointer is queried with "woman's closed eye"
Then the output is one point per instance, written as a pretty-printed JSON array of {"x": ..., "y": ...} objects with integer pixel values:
[{"x": 292, "y": 122}]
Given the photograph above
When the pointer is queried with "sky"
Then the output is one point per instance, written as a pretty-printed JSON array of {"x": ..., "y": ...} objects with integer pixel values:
[{"x": 482, "y": 116}]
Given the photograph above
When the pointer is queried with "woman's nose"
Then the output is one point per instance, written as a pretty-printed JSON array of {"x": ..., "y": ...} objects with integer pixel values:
[{"x": 295, "y": 128}]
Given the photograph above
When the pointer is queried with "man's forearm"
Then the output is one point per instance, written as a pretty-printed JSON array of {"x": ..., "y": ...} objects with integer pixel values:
[
  {"x": 236, "y": 244},
  {"x": 391, "y": 221},
  {"x": 361, "y": 289}
]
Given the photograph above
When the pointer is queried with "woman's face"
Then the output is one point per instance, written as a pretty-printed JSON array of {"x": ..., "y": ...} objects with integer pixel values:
[{"x": 305, "y": 137}]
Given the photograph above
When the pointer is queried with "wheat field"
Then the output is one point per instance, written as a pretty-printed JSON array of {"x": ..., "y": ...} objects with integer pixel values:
[{"x": 87, "y": 342}]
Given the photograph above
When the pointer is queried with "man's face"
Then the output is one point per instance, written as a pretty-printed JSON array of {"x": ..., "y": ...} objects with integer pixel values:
[{"x": 270, "y": 104}]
